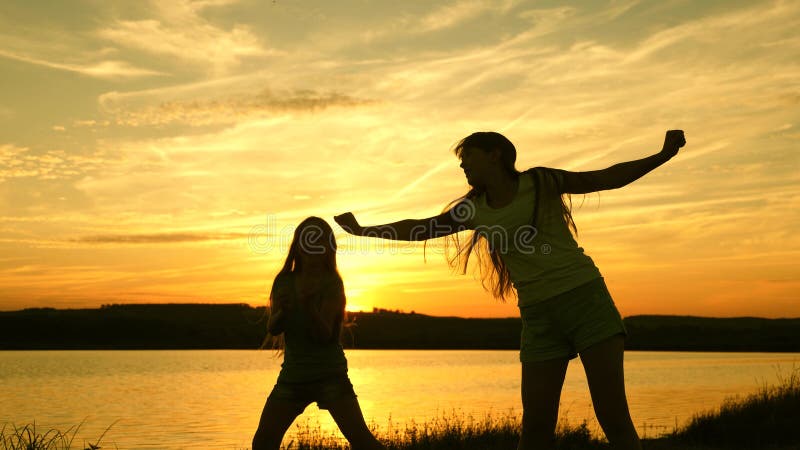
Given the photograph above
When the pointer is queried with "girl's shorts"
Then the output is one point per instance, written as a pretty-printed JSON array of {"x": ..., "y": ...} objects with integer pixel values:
[
  {"x": 324, "y": 392},
  {"x": 566, "y": 324}
]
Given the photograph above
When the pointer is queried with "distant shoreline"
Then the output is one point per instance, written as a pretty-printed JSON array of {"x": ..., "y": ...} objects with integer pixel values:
[
  {"x": 241, "y": 326},
  {"x": 350, "y": 349}
]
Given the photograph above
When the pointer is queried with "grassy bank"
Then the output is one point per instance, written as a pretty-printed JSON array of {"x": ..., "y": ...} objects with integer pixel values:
[
  {"x": 449, "y": 432},
  {"x": 29, "y": 437},
  {"x": 768, "y": 419}
]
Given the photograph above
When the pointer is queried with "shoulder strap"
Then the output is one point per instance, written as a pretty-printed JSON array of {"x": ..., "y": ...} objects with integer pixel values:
[{"x": 536, "y": 196}]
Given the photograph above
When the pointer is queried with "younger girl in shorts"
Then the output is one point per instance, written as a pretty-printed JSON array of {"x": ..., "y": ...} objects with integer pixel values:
[
  {"x": 307, "y": 306},
  {"x": 521, "y": 237}
]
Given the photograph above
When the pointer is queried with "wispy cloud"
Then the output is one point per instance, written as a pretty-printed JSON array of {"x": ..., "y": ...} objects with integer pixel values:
[
  {"x": 230, "y": 109},
  {"x": 160, "y": 238},
  {"x": 443, "y": 17},
  {"x": 701, "y": 30},
  {"x": 20, "y": 162},
  {"x": 109, "y": 69},
  {"x": 180, "y": 31},
  {"x": 619, "y": 8},
  {"x": 458, "y": 12}
]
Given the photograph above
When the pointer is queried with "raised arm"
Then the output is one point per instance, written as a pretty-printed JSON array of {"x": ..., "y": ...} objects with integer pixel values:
[
  {"x": 451, "y": 221},
  {"x": 621, "y": 174}
]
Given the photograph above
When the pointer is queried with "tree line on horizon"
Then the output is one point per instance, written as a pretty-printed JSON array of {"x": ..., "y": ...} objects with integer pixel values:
[{"x": 241, "y": 326}]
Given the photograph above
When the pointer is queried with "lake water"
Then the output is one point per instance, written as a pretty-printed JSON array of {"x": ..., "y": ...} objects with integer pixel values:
[{"x": 212, "y": 399}]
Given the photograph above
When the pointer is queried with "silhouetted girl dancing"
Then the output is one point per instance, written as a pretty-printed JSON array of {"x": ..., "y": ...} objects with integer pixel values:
[
  {"x": 521, "y": 234},
  {"x": 307, "y": 306}
]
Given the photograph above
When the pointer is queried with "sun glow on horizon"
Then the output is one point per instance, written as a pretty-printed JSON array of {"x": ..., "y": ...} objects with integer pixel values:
[{"x": 356, "y": 308}]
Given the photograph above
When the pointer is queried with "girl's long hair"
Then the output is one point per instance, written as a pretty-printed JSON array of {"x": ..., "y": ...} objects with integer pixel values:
[
  {"x": 494, "y": 274},
  {"x": 312, "y": 236}
]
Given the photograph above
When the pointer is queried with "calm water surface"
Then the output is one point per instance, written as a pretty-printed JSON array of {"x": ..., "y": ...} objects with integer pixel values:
[{"x": 212, "y": 399}]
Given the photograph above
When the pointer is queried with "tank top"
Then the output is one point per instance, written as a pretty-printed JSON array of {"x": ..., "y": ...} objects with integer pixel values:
[
  {"x": 305, "y": 359},
  {"x": 545, "y": 260}
]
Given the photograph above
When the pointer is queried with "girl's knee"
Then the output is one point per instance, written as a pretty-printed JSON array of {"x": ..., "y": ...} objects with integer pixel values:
[{"x": 537, "y": 419}]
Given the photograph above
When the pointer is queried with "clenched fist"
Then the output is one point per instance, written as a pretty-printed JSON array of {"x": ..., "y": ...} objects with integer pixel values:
[
  {"x": 672, "y": 142},
  {"x": 348, "y": 222}
]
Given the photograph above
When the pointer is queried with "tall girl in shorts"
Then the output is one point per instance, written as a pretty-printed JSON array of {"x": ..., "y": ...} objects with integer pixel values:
[
  {"x": 521, "y": 237},
  {"x": 307, "y": 305}
]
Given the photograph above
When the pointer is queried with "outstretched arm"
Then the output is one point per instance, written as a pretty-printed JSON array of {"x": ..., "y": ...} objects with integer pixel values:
[
  {"x": 621, "y": 174},
  {"x": 452, "y": 221}
]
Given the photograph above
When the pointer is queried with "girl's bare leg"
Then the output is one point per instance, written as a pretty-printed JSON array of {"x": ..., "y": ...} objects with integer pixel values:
[
  {"x": 347, "y": 415},
  {"x": 541, "y": 392},
  {"x": 604, "y": 372},
  {"x": 276, "y": 418}
]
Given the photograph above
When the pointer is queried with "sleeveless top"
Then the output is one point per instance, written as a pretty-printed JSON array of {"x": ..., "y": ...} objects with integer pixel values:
[
  {"x": 305, "y": 359},
  {"x": 543, "y": 260}
]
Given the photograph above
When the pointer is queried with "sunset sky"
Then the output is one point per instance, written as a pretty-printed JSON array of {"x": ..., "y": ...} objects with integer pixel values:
[{"x": 164, "y": 151}]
